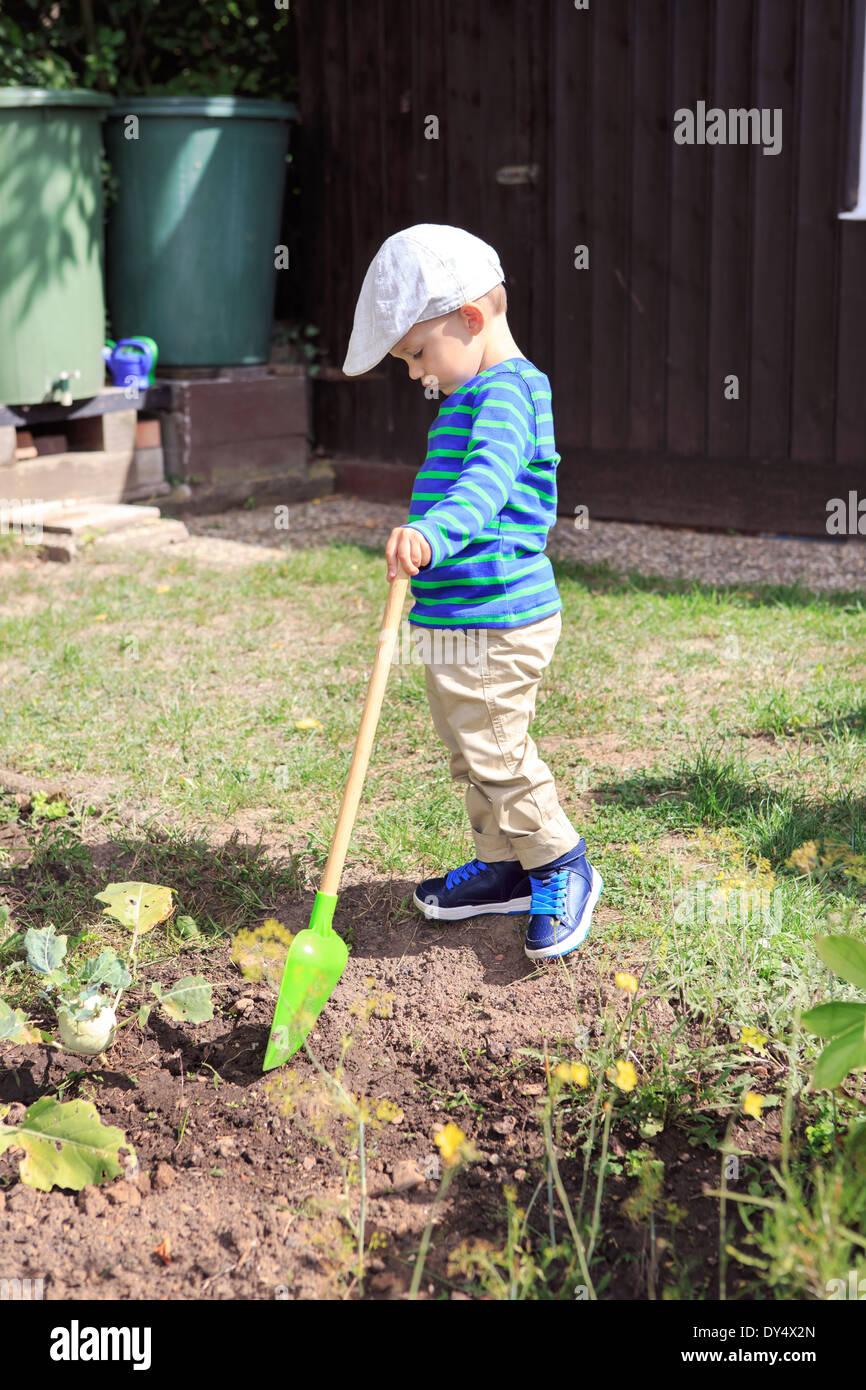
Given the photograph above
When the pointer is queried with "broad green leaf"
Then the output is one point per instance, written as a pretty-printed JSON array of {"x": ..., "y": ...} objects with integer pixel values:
[
  {"x": 845, "y": 1053},
  {"x": 65, "y": 1145},
  {"x": 44, "y": 949},
  {"x": 827, "y": 1020},
  {"x": 106, "y": 969},
  {"x": 189, "y": 1001},
  {"x": 845, "y": 956},
  {"x": 58, "y": 979},
  {"x": 187, "y": 927},
  {"x": 13, "y": 1023},
  {"x": 137, "y": 904},
  {"x": 144, "y": 1015},
  {"x": 651, "y": 1127}
]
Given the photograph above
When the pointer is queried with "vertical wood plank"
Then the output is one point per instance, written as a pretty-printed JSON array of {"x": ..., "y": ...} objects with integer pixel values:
[
  {"x": 729, "y": 212},
  {"x": 508, "y": 112},
  {"x": 652, "y": 139},
  {"x": 411, "y": 167},
  {"x": 688, "y": 291},
  {"x": 816, "y": 269},
  {"x": 571, "y": 196},
  {"x": 772, "y": 239},
  {"x": 610, "y": 219},
  {"x": 462, "y": 132},
  {"x": 851, "y": 356},
  {"x": 533, "y": 116}
]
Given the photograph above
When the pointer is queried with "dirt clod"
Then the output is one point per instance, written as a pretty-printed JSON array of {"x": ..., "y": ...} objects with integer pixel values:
[
  {"x": 406, "y": 1175},
  {"x": 123, "y": 1194},
  {"x": 91, "y": 1201},
  {"x": 165, "y": 1176}
]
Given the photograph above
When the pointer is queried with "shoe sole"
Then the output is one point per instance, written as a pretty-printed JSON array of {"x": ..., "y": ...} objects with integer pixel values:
[
  {"x": 580, "y": 933},
  {"x": 458, "y": 914}
]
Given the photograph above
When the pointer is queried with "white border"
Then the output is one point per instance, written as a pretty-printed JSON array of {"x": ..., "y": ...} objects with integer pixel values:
[{"x": 858, "y": 213}]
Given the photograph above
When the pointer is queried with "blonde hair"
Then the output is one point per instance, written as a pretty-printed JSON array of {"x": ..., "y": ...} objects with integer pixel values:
[{"x": 497, "y": 299}]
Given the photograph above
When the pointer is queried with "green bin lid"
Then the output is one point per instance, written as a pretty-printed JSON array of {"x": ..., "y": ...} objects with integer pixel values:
[
  {"x": 43, "y": 96},
  {"x": 254, "y": 107}
]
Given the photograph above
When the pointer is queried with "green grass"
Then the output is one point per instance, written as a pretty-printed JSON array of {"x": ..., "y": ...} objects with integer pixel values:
[{"x": 191, "y": 695}]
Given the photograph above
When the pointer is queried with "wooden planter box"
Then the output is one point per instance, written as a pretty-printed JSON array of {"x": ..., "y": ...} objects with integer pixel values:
[{"x": 240, "y": 433}]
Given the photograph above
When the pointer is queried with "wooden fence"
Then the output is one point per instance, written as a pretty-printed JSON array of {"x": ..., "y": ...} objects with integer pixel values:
[{"x": 705, "y": 261}]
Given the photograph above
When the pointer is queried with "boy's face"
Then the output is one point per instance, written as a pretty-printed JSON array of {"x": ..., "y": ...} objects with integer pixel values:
[{"x": 445, "y": 352}]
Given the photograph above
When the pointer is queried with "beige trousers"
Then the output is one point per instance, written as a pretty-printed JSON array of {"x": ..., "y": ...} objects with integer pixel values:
[{"x": 481, "y": 684}]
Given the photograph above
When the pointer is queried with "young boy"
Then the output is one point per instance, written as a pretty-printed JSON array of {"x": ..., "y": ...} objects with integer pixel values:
[{"x": 481, "y": 507}]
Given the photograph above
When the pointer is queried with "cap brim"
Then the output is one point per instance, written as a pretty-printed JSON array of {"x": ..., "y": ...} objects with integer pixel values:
[{"x": 356, "y": 363}]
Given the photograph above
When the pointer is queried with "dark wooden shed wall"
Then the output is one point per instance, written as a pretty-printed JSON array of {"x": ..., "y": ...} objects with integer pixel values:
[{"x": 704, "y": 260}]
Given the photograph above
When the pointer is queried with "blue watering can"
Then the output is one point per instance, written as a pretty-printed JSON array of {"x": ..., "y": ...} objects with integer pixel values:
[{"x": 131, "y": 361}]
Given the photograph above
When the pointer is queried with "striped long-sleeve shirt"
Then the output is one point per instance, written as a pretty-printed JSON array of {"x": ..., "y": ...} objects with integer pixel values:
[{"x": 485, "y": 499}]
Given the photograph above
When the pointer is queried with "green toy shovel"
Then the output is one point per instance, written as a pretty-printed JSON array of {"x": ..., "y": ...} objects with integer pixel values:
[{"x": 317, "y": 956}]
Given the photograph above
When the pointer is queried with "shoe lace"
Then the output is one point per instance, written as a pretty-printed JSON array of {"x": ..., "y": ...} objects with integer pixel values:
[
  {"x": 548, "y": 894},
  {"x": 453, "y": 876}
]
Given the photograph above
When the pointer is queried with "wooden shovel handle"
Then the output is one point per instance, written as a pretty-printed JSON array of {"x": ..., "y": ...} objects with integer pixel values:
[{"x": 366, "y": 733}]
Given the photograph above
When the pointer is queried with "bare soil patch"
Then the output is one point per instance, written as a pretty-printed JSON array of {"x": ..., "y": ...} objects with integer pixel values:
[{"x": 245, "y": 1203}]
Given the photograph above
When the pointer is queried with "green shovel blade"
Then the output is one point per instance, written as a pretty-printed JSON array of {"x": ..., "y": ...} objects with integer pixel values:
[{"x": 316, "y": 960}]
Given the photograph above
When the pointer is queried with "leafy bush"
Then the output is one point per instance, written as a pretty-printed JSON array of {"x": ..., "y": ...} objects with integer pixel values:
[{"x": 215, "y": 47}]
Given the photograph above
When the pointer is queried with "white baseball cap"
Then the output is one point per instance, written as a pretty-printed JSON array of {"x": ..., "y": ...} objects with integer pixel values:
[{"x": 417, "y": 274}]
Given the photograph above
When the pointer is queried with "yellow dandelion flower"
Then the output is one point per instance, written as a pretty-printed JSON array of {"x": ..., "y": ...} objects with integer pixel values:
[
  {"x": 623, "y": 1075},
  {"x": 623, "y": 980},
  {"x": 573, "y": 1072},
  {"x": 752, "y": 1038},
  {"x": 752, "y": 1104},
  {"x": 388, "y": 1111},
  {"x": 453, "y": 1145},
  {"x": 308, "y": 724},
  {"x": 509, "y": 1192},
  {"x": 449, "y": 1142}
]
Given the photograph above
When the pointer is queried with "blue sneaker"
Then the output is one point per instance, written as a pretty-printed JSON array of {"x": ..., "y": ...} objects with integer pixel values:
[
  {"x": 475, "y": 889},
  {"x": 564, "y": 894}
]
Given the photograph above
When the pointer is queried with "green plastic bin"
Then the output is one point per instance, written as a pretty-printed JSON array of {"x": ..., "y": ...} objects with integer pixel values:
[
  {"x": 192, "y": 237},
  {"x": 52, "y": 310}
]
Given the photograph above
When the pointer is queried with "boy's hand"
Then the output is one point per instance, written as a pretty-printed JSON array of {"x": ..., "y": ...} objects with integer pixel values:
[{"x": 409, "y": 547}]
